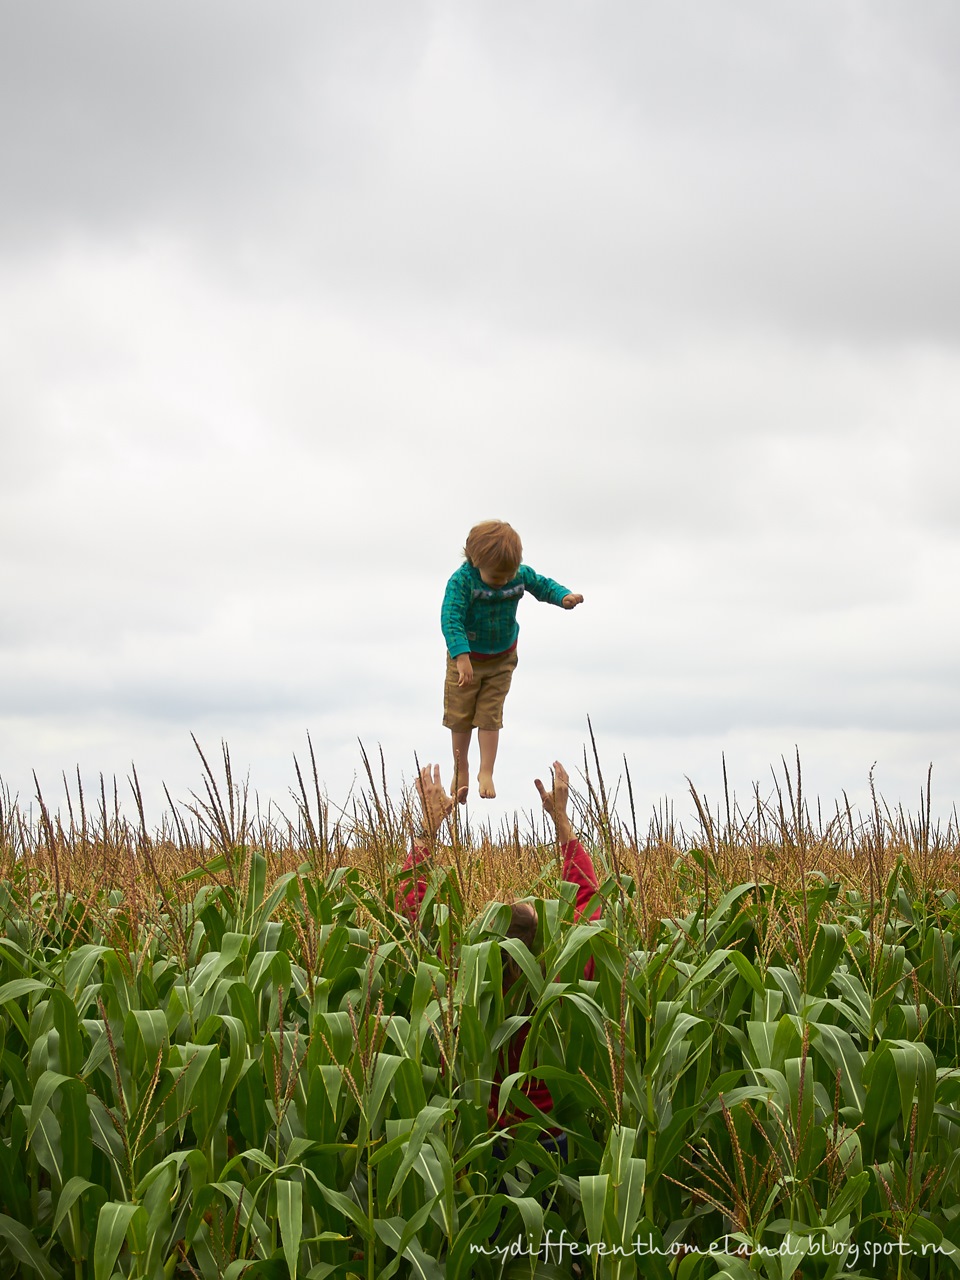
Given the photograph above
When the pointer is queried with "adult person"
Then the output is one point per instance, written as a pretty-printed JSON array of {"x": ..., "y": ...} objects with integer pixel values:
[{"x": 436, "y": 806}]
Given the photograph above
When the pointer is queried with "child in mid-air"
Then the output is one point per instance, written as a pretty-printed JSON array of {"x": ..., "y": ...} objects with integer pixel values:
[{"x": 479, "y": 622}]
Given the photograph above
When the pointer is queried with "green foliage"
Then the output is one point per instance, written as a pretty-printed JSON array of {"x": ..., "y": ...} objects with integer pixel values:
[{"x": 277, "y": 1073}]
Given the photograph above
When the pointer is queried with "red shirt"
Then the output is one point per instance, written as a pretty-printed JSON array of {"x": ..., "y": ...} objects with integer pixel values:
[{"x": 578, "y": 869}]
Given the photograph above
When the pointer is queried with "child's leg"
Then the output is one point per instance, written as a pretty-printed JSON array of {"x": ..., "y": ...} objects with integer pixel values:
[
  {"x": 489, "y": 740},
  {"x": 459, "y": 705},
  {"x": 461, "y": 765},
  {"x": 495, "y": 677}
]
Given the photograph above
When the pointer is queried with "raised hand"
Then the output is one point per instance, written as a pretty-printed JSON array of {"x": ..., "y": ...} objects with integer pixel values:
[
  {"x": 434, "y": 801},
  {"x": 555, "y": 800}
]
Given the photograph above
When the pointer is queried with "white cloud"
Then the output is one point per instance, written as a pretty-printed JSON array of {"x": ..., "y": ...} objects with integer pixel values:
[{"x": 671, "y": 289}]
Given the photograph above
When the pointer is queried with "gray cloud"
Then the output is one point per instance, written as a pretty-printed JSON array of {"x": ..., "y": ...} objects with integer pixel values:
[
  {"x": 289, "y": 301},
  {"x": 631, "y": 172},
  {"x": 119, "y": 118}
]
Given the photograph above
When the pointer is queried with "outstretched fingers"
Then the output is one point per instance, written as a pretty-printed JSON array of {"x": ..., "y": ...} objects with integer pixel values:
[
  {"x": 429, "y": 780},
  {"x": 554, "y": 797},
  {"x": 436, "y": 803}
]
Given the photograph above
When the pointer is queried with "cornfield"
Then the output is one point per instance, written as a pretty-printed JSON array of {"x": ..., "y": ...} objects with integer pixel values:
[{"x": 226, "y": 1052}]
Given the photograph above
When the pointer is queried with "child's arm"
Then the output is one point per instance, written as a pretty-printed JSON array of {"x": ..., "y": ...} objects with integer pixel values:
[
  {"x": 548, "y": 591},
  {"x": 453, "y": 614}
]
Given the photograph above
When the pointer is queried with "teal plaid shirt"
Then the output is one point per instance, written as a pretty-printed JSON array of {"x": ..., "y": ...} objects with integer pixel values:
[{"x": 476, "y": 618}]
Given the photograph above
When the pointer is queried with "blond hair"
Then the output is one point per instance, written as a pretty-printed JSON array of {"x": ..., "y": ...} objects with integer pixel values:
[{"x": 495, "y": 545}]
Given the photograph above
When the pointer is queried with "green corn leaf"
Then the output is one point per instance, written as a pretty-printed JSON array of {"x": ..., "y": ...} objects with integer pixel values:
[
  {"x": 22, "y": 1244},
  {"x": 575, "y": 939},
  {"x": 401, "y": 1237},
  {"x": 384, "y": 1070},
  {"x": 256, "y": 890},
  {"x": 23, "y": 961},
  {"x": 529, "y": 966},
  {"x": 14, "y": 1073},
  {"x": 827, "y": 950},
  {"x": 76, "y": 1142},
  {"x": 432, "y": 1163},
  {"x": 250, "y": 1102},
  {"x": 629, "y": 1197},
  {"x": 789, "y": 984},
  {"x": 119, "y": 987},
  {"x": 836, "y": 1046},
  {"x": 103, "y": 1131},
  {"x": 856, "y": 1001},
  {"x": 428, "y": 1120},
  {"x": 349, "y": 1208},
  {"x": 747, "y": 970},
  {"x": 18, "y": 987},
  {"x": 237, "y": 1268},
  {"x": 290, "y": 1214},
  {"x": 531, "y": 1215},
  {"x": 282, "y": 888},
  {"x": 474, "y": 1240},
  {"x": 668, "y": 1037},
  {"x": 621, "y": 1144},
  {"x": 45, "y": 1088},
  {"x": 851, "y": 1193},
  {"x": 722, "y": 922},
  {"x": 272, "y": 966},
  {"x": 73, "y": 1189},
  {"x": 594, "y": 1189},
  {"x": 99, "y": 1054},
  {"x": 243, "y": 1005},
  {"x": 201, "y": 1085},
  {"x": 70, "y": 1036},
  {"x": 917, "y": 1078},
  {"x": 882, "y": 1105},
  {"x": 145, "y": 1038},
  {"x": 235, "y": 1064},
  {"x": 112, "y": 1225},
  {"x": 79, "y": 965}
]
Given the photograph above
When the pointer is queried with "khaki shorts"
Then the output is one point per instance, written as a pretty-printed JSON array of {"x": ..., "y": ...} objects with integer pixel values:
[{"x": 478, "y": 705}]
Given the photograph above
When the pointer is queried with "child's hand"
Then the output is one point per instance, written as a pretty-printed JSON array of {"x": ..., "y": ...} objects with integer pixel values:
[
  {"x": 571, "y": 601},
  {"x": 464, "y": 670}
]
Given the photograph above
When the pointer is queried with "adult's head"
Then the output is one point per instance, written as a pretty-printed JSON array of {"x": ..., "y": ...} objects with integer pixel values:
[
  {"x": 436, "y": 806},
  {"x": 523, "y": 927}
]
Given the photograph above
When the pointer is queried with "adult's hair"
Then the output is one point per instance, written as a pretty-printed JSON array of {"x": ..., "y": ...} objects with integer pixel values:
[
  {"x": 494, "y": 544},
  {"x": 523, "y": 926},
  {"x": 523, "y": 923}
]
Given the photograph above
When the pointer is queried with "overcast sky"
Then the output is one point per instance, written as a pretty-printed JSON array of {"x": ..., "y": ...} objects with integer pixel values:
[{"x": 293, "y": 294}]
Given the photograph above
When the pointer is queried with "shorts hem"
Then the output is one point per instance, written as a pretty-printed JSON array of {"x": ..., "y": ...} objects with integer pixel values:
[{"x": 457, "y": 728}]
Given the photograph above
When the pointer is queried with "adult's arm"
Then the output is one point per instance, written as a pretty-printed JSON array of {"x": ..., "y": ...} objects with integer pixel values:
[
  {"x": 578, "y": 866},
  {"x": 435, "y": 807}
]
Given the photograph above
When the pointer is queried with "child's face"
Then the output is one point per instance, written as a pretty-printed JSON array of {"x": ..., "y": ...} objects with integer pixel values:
[{"x": 495, "y": 577}]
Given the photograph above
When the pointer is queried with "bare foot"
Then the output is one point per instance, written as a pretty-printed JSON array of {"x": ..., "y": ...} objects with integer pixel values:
[
  {"x": 462, "y": 794},
  {"x": 460, "y": 786},
  {"x": 487, "y": 791}
]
